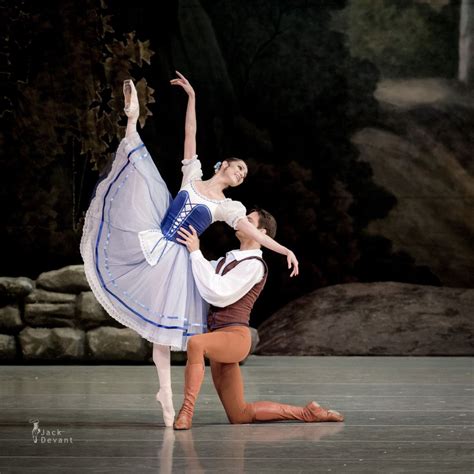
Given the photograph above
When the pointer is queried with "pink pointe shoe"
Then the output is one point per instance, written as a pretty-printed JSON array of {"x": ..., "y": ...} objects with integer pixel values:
[
  {"x": 132, "y": 106},
  {"x": 165, "y": 398}
]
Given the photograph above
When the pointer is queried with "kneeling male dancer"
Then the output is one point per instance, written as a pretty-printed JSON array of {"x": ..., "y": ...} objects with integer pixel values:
[{"x": 232, "y": 288}]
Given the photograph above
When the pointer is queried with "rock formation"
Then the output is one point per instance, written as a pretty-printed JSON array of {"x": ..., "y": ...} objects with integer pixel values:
[
  {"x": 57, "y": 318},
  {"x": 422, "y": 154},
  {"x": 373, "y": 319}
]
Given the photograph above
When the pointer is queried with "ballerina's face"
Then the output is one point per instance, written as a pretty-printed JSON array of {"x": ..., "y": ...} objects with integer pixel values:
[{"x": 234, "y": 171}]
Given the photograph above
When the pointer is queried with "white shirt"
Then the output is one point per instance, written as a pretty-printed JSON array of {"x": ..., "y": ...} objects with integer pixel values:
[{"x": 223, "y": 290}]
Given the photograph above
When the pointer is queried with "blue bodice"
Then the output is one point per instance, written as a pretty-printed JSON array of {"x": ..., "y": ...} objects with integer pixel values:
[{"x": 183, "y": 213}]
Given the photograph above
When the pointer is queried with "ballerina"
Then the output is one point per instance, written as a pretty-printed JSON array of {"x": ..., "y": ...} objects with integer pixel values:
[{"x": 133, "y": 262}]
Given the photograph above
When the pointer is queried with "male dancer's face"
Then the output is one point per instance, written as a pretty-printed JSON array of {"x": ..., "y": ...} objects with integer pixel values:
[{"x": 254, "y": 219}]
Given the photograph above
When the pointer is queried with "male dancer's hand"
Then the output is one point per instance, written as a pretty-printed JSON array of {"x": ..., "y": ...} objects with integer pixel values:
[{"x": 189, "y": 239}]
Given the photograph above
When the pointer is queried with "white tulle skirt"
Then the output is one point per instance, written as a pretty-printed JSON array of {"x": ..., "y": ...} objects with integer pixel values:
[{"x": 161, "y": 301}]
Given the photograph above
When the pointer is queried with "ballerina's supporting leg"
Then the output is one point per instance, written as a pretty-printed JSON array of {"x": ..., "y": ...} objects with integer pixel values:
[{"x": 161, "y": 358}]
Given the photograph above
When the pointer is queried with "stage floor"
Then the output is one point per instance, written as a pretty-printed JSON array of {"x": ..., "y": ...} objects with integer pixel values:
[{"x": 402, "y": 415}]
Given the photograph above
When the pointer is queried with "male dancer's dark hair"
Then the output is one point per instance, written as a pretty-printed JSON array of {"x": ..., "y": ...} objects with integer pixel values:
[{"x": 265, "y": 221}]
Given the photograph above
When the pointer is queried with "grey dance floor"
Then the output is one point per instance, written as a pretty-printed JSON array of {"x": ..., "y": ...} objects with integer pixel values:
[{"x": 402, "y": 415}]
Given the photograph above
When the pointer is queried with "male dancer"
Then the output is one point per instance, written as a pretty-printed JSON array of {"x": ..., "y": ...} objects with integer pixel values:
[{"x": 232, "y": 288}]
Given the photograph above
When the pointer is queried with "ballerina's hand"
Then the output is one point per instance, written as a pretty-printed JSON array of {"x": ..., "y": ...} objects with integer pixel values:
[
  {"x": 189, "y": 239},
  {"x": 292, "y": 261},
  {"x": 184, "y": 83}
]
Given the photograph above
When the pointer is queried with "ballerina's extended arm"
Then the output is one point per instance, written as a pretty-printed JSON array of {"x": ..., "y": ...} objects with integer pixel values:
[
  {"x": 244, "y": 226},
  {"x": 189, "y": 152},
  {"x": 190, "y": 125}
]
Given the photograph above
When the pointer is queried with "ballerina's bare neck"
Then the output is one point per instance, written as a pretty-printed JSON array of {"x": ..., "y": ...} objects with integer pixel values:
[{"x": 210, "y": 189}]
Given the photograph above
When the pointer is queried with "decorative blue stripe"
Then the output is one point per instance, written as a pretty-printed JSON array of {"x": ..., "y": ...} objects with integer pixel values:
[
  {"x": 186, "y": 333},
  {"x": 135, "y": 149},
  {"x": 102, "y": 224}
]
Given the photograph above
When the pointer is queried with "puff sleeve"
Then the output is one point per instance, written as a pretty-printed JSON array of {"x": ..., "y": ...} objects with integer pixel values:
[
  {"x": 230, "y": 212},
  {"x": 191, "y": 170}
]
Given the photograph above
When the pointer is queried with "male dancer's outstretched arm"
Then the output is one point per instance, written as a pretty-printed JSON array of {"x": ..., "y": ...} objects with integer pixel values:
[{"x": 232, "y": 289}]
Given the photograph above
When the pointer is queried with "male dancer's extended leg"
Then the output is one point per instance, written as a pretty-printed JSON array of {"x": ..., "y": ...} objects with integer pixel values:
[{"x": 228, "y": 381}]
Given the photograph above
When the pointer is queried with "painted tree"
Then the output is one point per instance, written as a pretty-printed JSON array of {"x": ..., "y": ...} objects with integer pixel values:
[{"x": 61, "y": 121}]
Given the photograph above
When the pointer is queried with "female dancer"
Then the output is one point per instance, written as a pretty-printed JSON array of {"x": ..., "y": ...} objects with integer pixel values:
[{"x": 136, "y": 268}]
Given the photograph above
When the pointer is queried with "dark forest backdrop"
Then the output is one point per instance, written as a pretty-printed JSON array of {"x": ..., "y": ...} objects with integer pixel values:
[{"x": 286, "y": 85}]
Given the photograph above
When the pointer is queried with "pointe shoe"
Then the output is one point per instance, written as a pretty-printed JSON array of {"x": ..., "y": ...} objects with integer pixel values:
[
  {"x": 316, "y": 413},
  {"x": 193, "y": 377},
  {"x": 165, "y": 398},
  {"x": 132, "y": 106}
]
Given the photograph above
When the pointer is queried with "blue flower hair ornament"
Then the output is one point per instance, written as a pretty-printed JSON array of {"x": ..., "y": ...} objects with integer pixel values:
[{"x": 217, "y": 166}]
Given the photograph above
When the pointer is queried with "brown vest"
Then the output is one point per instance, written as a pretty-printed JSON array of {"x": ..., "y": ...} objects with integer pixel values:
[{"x": 237, "y": 313}]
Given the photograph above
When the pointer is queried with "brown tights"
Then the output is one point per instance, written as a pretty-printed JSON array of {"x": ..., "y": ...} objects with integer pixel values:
[{"x": 225, "y": 348}]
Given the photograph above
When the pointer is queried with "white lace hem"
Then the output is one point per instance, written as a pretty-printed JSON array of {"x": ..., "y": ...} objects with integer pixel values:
[{"x": 87, "y": 253}]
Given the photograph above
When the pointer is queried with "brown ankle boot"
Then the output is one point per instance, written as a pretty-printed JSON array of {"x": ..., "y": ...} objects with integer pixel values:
[
  {"x": 193, "y": 377},
  {"x": 312, "y": 412}
]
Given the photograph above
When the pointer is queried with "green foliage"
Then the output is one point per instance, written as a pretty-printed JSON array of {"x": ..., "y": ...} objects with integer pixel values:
[{"x": 404, "y": 38}]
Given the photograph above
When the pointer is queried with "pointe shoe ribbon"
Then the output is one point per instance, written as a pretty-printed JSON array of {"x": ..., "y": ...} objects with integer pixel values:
[{"x": 132, "y": 106}]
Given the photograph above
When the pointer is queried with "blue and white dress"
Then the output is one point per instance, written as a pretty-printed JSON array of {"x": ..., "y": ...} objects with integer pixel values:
[{"x": 135, "y": 267}]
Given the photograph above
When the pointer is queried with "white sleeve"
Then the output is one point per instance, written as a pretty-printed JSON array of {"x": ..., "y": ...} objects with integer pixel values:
[
  {"x": 223, "y": 290},
  {"x": 230, "y": 212},
  {"x": 191, "y": 170}
]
